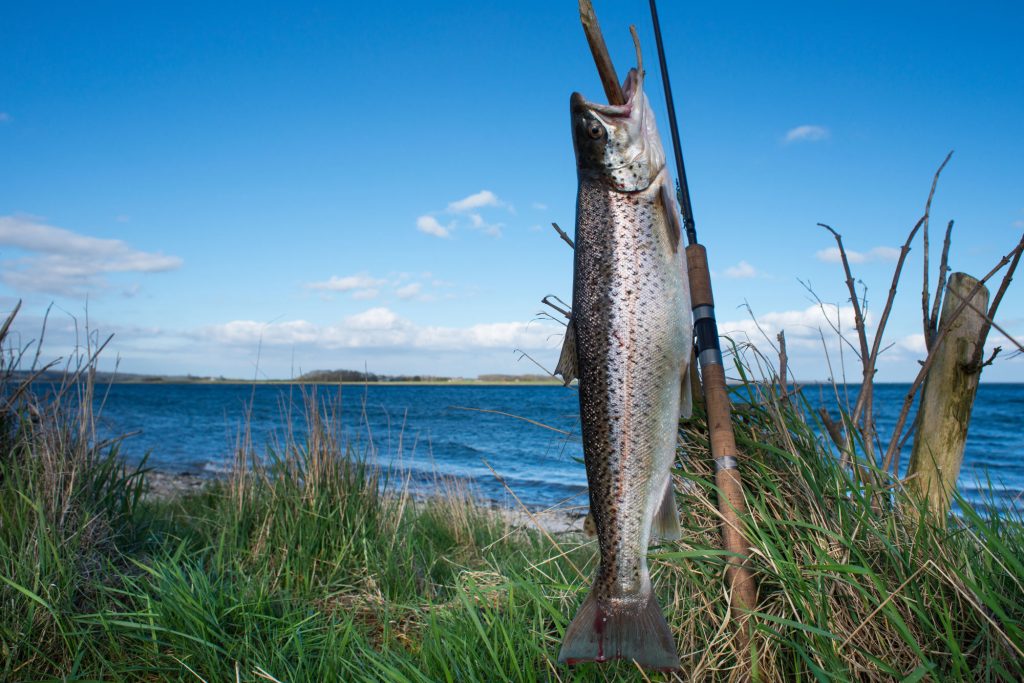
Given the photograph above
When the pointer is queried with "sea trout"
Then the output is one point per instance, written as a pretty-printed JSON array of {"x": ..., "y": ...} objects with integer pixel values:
[{"x": 628, "y": 341}]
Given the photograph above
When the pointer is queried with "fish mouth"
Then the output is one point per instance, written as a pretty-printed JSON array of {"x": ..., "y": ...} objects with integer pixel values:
[{"x": 632, "y": 86}]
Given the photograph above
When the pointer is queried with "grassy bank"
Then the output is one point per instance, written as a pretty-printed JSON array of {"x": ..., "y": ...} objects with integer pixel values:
[{"x": 311, "y": 568}]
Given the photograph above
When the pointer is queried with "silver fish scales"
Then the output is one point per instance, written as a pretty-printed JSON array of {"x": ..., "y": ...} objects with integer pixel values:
[{"x": 629, "y": 343}]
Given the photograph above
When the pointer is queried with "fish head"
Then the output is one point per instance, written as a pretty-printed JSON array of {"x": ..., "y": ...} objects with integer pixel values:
[{"x": 618, "y": 144}]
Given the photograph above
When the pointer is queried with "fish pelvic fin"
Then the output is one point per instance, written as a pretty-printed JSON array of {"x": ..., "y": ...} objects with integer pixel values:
[
  {"x": 590, "y": 526},
  {"x": 567, "y": 367},
  {"x": 602, "y": 632},
  {"x": 665, "y": 524}
]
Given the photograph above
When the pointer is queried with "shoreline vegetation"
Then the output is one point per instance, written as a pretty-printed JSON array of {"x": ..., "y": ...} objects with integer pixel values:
[{"x": 306, "y": 564}]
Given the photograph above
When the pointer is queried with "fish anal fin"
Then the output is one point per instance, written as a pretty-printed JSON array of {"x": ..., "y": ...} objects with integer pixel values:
[
  {"x": 566, "y": 366},
  {"x": 665, "y": 524},
  {"x": 686, "y": 394},
  {"x": 672, "y": 226},
  {"x": 600, "y": 633}
]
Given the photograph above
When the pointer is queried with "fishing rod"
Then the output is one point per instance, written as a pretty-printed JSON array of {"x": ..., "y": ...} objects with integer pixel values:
[{"x": 731, "y": 503}]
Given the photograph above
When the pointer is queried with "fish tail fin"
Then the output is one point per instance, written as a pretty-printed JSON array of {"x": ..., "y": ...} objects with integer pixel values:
[
  {"x": 599, "y": 634},
  {"x": 665, "y": 524}
]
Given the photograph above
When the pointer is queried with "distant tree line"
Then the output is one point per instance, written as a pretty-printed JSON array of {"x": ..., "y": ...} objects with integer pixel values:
[{"x": 362, "y": 376}]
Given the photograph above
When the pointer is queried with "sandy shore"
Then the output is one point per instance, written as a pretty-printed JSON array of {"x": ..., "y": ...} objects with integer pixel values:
[{"x": 169, "y": 485}]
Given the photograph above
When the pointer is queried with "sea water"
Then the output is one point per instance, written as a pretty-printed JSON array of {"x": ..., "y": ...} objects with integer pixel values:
[{"x": 498, "y": 439}]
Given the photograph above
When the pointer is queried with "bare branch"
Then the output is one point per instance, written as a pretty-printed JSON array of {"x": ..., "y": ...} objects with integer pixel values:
[
  {"x": 908, "y": 400},
  {"x": 1007, "y": 279},
  {"x": 933, "y": 323},
  {"x": 991, "y": 359},
  {"x": 567, "y": 311},
  {"x": 858, "y": 317},
  {"x": 565, "y": 237},
  {"x": 904, "y": 250},
  {"x": 924, "y": 233},
  {"x": 990, "y": 321}
]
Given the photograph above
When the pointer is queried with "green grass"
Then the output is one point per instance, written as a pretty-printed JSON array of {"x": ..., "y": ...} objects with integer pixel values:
[{"x": 312, "y": 568}]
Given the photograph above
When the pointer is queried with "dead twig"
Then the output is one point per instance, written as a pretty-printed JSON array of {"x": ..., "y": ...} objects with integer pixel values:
[
  {"x": 603, "y": 61},
  {"x": 988, "y": 319},
  {"x": 979, "y": 350},
  {"x": 925, "y": 219},
  {"x": 564, "y": 236},
  {"x": 933, "y": 323},
  {"x": 858, "y": 317},
  {"x": 908, "y": 400}
]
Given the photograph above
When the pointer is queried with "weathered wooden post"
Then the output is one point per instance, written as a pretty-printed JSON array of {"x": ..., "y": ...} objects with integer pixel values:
[{"x": 948, "y": 396}]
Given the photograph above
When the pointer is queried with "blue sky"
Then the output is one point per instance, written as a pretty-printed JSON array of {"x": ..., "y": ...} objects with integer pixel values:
[{"x": 364, "y": 186}]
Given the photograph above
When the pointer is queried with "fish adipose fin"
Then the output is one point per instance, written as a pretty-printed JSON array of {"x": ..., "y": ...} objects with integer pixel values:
[
  {"x": 665, "y": 524},
  {"x": 640, "y": 633},
  {"x": 567, "y": 360}
]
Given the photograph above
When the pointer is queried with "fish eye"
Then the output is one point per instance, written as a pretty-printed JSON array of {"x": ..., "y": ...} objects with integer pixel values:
[{"x": 595, "y": 130}]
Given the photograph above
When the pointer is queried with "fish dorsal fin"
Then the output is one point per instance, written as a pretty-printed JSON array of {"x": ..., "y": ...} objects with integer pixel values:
[
  {"x": 567, "y": 359},
  {"x": 672, "y": 226}
]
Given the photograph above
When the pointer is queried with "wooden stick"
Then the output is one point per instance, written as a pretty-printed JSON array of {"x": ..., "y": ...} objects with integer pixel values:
[{"x": 605, "y": 68}]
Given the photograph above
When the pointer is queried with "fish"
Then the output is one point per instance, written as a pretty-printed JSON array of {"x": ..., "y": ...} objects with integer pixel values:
[{"x": 628, "y": 342}]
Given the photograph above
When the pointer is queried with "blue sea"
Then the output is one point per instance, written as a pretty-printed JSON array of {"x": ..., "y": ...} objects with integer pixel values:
[{"x": 458, "y": 430}]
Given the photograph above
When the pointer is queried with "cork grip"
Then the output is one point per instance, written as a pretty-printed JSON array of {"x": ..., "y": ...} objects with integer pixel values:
[
  {"x": 700, "y": 277},
  {"x": 731, "y": 503}
]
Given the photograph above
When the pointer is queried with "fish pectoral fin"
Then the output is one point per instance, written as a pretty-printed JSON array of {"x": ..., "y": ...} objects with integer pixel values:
[
  {"x": 686, "y": 394},
  {"x": 665, "y": 524},
  {"x": 602, "y": 632},
  {"x": 673, "y": 228},
  {"x": 567, "y": 367}
]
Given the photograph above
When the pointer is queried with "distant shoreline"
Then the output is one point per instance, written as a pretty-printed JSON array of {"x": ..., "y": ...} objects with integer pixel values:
[
  {"x": 395, "y": 383},
  {"x": 163, "y": 380}
]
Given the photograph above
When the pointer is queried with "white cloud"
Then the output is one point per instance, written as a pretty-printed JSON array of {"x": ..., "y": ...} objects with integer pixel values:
[
  {"x": 60, "y": 261},
  {"x": 429, "y": 225},
  {"x": 379, "y": 318},
  {"x": 800, "y": 325},
  {"x": 885, "y": 254},
  {"x": 741, "y": 270},
  {"x": 492, "y": 229},
  {"x": 364, "y": 294},
  {"x": 4, "y": 117},
  {"x": 1019, "y": 224},
  {"x": 475, "y": 201},
  {"x": 914, "y": 343},
  {"x": 467, "y": 208},
  {"x": 347, "y": 283},
  {"x": 381, "y": 328},
  {"x": 539, "y": 206},
  {"x": 807, "y": 133},
  {"x": 831, "y": 255},
  {"x": 409, "y": 291}
]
